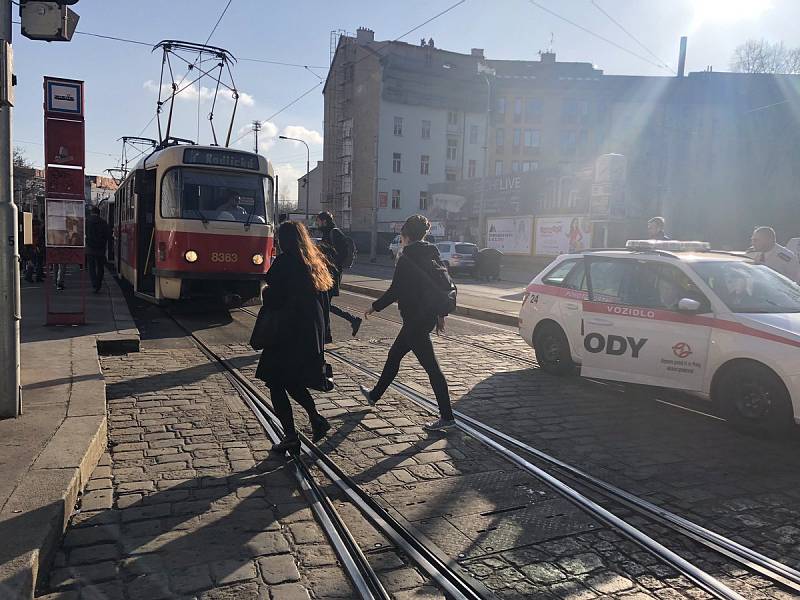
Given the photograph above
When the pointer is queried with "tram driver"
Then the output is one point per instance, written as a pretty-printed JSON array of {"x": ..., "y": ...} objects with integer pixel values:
[{"x": 231, "y": 209}]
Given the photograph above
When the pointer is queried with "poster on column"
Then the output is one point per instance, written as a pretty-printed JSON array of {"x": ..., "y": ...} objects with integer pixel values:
[
  {"x": 510, "y": 235},
  {"x": 65, "y": 222},
  {"x": 562, "y": 235}
]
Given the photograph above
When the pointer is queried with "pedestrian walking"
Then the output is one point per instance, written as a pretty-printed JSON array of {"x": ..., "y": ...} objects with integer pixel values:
[
  {"x": 335, "y": 246},
  {"x": 293, "y": 358},
  {"x": 412, "y": 288},
  {"x": 655, "y": 229},
  {"x": 97, "y": 235},
  {"x": 766, "y": 250}
]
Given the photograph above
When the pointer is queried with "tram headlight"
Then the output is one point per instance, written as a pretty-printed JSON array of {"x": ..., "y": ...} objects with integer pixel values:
[
  {"x": 258, "y": 259},
  {"x": 190, "y": 256}
]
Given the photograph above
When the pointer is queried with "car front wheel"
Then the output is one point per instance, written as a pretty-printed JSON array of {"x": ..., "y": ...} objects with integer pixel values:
[
  {"x": 552, "y": 350},
  {"x": 754, "y": 399}
]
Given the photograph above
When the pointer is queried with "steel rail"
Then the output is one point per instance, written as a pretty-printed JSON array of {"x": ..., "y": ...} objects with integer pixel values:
[
  {"x": 700, "y": 577},
  {"x": 358, "y": 569},
  {"x": 439, "y": 569}
]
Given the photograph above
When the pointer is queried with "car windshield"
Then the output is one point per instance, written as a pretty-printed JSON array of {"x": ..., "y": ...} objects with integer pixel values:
[
  {"x": 215, "y": 196},
  {"x": 749, "y": 288},
  {"x": 466, "y": 249}
]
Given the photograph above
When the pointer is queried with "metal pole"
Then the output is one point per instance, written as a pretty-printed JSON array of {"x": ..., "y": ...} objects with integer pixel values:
[
  {"x": 373, "y": 238},
  {"x": 481, "y": 227},
  {"x": 308, "y": 178},
  {"x": 9, "y": 254}
]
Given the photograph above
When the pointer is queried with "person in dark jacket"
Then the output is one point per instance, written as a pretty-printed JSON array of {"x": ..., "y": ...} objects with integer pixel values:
[
  {"x": 97, "y": 235},
  {"x": 297, "y": 283},
  {"x": 409, "y": 287},
  {"x": 335, "y": 248}
]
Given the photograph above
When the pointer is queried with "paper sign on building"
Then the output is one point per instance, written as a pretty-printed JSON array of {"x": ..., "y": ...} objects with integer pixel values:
[
  {"x": 510, "y": 235},
  {"x": 561, "y": 235}
]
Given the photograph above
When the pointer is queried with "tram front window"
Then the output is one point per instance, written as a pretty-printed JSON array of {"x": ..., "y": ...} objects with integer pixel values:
[{"x": 215, "y": 196}]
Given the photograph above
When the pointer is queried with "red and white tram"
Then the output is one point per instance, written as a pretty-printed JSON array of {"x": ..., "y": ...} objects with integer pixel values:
[{"x": 195, "y": 221}]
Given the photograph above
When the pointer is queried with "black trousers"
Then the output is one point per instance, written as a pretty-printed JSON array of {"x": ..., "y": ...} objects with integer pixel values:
[
  {"x": 280, "y": 402},
  {"x": 416, "y": 339},
  {"x": 339, "y": 312},
  {"x": 97, "y": 266}
]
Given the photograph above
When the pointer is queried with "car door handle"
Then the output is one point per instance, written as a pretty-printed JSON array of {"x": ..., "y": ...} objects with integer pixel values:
[
  {"x": 600, "y": 322},
  {"x": 571, "y": 306}
]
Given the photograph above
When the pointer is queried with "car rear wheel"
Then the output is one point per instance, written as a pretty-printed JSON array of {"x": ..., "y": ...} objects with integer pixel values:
[
  {"x": 552, "y": 350},
  {"x": 754, "y": 399}
]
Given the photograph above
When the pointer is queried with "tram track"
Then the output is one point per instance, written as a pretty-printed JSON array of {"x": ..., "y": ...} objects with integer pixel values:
[
  {"x": 366, "y": 582},
  {"x": 502, "y": 443}
]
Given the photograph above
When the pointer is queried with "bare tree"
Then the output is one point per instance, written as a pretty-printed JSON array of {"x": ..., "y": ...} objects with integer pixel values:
[
  {"x": 20, "y": 159},
  {"x": 762, "y": 56}
]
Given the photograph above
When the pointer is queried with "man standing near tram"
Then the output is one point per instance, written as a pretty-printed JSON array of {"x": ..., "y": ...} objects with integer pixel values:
[{"x": 767, "y": 251}]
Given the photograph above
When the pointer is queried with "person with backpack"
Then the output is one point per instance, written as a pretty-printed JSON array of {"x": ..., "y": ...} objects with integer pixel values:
[
  {"x": 425, "y": 294},
  {"x": 97, "y": 235},
  {"x": 340, "y": 252}
]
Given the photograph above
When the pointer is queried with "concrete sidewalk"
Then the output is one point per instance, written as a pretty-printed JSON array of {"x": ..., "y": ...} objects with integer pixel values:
[{"x": 48, "y": 453}]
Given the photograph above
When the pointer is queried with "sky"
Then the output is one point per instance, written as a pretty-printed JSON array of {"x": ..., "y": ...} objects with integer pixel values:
[{"x": 122, "y": 79}]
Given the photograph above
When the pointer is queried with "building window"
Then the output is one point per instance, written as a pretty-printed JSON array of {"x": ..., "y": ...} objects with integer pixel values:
[
  {"x": 529, "y": 165},
  {"x": 501, "y": 106},
  {"x": 473, "y": 134},
  {"x": 396, "y": 158},
  {"x": 515, "y": 166},
  {"x": 500, "y": 138},
  {"x": 452, "y": 117},
  {"x": 424, "y": 164},
  {"x": 452, "y": 148},
  {"x": 450, "y": 175},
  {"x": 395, "y": 199},
  {"x": 398, "y": 125},
  {"x": 426, "y": 130},
  {"x": 517, "y": 110},
  {"x": 498, "y": 168},
  {"x": 533, "y": 109},
  {"x": 517, "y": 138},
  {"x": 423, "y": 200},
  {"x": 472, "y": 168},
  {"x": 568, "y": 142},
  {"x": 345, "y": 167},
  {"x": 532, "y": 138}
]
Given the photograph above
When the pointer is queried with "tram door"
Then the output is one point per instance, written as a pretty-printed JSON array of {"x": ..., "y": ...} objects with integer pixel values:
[{"x": 145, "y": 231}]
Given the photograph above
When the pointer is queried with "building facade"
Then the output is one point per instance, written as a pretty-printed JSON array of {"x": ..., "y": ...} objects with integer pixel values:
[{"x": 315, "y": 197}]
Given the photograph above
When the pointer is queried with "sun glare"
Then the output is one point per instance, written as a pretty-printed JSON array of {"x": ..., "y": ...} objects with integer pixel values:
[{"x": 728, "y": 11}]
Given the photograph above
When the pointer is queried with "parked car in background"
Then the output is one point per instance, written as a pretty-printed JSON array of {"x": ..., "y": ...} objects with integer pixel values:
[
  {"x": 395, "y": 249},
  {"x": 458, "y": 256}
]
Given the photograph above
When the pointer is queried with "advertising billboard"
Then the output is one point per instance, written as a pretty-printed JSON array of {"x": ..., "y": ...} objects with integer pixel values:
[
  {"x": 510, "y": 235},
  {"x": 561, "y": 235}
]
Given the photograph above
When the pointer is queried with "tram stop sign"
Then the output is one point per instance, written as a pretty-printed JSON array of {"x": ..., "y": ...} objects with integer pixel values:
[{"x": 48, "y": 21}]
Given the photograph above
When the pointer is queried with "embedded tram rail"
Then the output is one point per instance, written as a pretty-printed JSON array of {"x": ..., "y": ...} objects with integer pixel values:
[{"x": 451, "y": 580}]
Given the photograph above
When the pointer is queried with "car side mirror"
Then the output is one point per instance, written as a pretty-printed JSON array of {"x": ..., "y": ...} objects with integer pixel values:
[{"x": 688, "y": 305}]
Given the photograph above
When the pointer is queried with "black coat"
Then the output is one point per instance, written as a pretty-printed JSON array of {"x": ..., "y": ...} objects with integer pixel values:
[
  {"x": 296, "y": 355},
  {"x": 334, "y": 246},
  {"x": 97, "y": 235},
  {"x": 409, "y": 285}
]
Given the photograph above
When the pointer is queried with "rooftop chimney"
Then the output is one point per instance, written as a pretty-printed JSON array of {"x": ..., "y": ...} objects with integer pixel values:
[
  {"x": 477, "y": 52},
  {"x": 682, "y": 57},
  {"x": 364, "y": 35},
  {"x": 547, "y": 57}
]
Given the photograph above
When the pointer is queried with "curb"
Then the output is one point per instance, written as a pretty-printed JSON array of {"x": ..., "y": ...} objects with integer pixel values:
[
  {"x": 480, "y": 314},
  {"x": 38, "y": 511},
  {"x": 126, "y": 339}
]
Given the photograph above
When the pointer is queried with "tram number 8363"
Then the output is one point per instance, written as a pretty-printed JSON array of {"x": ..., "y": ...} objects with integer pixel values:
[{"x": 224, "y": 257}]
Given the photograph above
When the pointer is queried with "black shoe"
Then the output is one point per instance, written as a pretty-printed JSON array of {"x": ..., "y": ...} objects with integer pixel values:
[
  {"x": 368, "y": 395},
  {"x": 290, "y": 445},
  {"x": 319, "y": 429},
  {"x": 440, "y": 425},
  {"x": 356, "y": 325}
]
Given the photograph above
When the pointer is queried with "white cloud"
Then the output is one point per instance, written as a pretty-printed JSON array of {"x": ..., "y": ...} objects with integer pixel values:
[
  {"x": 310, "y": 136},
  {"x": 191, "y": 92}
]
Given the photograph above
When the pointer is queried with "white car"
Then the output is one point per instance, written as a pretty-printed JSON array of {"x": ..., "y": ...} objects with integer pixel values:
[
  {"x": 457, "y": 255},
  {"x": 395, "y": 248},
  {"x": 674, "y": 315}
]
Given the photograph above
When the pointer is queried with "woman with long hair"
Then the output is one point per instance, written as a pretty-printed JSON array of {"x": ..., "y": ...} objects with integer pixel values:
[{"x": 293, "y": 357}]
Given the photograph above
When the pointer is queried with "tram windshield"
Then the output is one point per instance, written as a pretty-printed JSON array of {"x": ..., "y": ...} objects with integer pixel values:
[{"x": 188, "y": 193}]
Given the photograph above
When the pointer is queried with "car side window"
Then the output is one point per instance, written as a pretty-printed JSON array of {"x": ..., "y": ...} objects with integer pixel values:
[
  {"x": 559, "y": 273},
  {"x": 576, "y": 279},
  {"x": 662, "y": 286},
  {"x": 608, "y": 279},
  {"x": 443, "y": 247}
]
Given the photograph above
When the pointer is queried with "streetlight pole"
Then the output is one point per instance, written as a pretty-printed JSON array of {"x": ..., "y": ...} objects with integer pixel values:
[
  {"x": 308, "y": 168},
  {"x": 9, "y": 253}
]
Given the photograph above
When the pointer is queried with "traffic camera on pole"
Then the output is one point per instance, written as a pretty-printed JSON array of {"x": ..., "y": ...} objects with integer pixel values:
[{"x": 48, "y": 21}]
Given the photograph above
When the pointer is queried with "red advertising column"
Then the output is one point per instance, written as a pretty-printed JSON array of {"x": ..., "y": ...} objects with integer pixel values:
[{"x": 65, "y": 211}]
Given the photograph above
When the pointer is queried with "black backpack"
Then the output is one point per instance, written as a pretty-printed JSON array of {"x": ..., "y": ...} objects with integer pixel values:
[
  {"x": 443, "y": 293},
  {"x": 344, "y": 248},
  {"x": 349, "y": 258}
]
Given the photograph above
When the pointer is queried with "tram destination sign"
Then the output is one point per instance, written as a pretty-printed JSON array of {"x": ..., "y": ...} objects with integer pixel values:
[{"x": 220, "y": 158}]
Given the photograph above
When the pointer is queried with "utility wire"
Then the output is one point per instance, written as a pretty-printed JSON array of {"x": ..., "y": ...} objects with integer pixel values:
[
  {"x": 224, "y": 10},
  {"x": 597, "y": 35},
  {"x": 276, "y": 113},
  {"x": 630, "y": 35}
]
